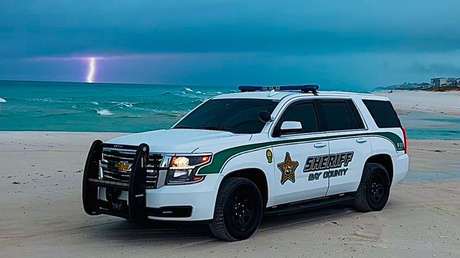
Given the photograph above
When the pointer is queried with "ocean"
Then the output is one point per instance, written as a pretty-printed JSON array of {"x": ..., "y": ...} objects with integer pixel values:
[
  {"x": 97, "y": 107},
  {"x": 107, "y": 107}
]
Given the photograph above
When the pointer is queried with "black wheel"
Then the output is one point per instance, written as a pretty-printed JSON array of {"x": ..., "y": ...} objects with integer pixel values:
[
  {"x": 374, "y": 189},
  {"x": 238, "y": 211}
]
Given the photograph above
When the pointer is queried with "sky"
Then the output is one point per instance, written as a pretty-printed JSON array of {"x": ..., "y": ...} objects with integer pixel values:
[{"x": 354, "y": 44}]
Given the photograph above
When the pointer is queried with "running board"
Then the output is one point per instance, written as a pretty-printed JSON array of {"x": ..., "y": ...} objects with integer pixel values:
[{"x": 311, "y": 205}]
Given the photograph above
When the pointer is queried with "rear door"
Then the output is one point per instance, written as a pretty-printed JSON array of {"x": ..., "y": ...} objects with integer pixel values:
[
  {"x": 290, "y": 155},
  {"x": 348, "y": 146}
]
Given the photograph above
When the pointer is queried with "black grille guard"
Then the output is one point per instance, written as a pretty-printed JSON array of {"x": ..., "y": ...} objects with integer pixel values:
[{"x": 136, "y": 203}]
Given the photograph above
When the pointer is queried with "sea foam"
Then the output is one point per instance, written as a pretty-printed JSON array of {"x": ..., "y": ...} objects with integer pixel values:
[
  {"x": 2, "y": 100},
  {"x": 125, "y": 104},
  {"x": 104, "y": 112}
]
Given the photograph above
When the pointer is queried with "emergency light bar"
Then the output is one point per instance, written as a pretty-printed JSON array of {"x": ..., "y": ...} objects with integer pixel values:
[{"x": 303, "y": 88}]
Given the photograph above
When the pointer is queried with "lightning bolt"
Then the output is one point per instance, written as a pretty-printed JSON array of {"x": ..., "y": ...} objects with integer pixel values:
[{"x": 91, "y": 70}]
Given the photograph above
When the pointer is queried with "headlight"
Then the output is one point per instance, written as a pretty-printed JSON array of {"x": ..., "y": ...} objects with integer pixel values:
[{"x": 182, "y": 169}]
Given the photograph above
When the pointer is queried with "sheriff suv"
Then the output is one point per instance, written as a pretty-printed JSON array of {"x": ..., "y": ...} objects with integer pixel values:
[{"x": 240, "y": 156}]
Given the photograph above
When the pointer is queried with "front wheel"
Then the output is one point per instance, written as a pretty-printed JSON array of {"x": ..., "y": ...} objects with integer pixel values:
[
  {"x": 238, "y": 211},
  {"x": 374, "y": 189}
]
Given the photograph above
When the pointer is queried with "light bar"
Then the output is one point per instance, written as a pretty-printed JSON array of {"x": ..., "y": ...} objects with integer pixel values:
[{"x": 303, "y": 88}]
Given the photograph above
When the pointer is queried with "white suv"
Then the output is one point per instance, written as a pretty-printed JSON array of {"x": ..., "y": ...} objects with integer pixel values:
[{"x": 239, "y": 156}]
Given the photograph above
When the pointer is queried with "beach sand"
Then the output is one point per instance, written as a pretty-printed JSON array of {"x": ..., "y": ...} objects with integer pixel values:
[
  {"x": 447, "y": 103},
  {"x": 41, "y": 212}
]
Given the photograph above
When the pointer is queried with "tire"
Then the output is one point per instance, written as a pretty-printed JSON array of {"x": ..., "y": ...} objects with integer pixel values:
[
  {"x": 238, "y": 211},
  {"x": 374, "y": 189}
]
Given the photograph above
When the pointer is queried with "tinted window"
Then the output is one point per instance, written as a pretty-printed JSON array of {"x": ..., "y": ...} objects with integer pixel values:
[
  {"x": 233, "y": 115},
  {"x": 304, "y": 112},
  {"x": 339, "y": 115},
  {"x": 383, "y": 113}
]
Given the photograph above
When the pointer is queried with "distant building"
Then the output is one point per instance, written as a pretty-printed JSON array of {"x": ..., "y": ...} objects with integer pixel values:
[
  {"x": 438, "y": 82},
  {"x": 451, "y": 81},
  {"x": 445, "y": 82},
  {"x": 441, "y": 82}
]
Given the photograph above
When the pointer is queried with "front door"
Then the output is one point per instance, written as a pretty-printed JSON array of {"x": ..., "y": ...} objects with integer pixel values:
[{"x": 295, "y": 179}]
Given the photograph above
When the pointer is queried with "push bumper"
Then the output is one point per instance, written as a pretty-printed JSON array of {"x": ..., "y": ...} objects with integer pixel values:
[{"x": 133, "y": 201}]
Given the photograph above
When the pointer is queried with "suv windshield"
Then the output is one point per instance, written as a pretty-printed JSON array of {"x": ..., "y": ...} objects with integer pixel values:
[{"x": 233, "y": 115}]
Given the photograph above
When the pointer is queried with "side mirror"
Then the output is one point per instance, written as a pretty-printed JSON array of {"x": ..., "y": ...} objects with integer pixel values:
[
  {"x": 291, "y": 126},
  {"x": 265, "y": 117}
]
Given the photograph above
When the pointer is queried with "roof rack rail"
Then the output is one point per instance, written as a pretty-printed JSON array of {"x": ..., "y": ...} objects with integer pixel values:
[{"x": 313, "y": 88}]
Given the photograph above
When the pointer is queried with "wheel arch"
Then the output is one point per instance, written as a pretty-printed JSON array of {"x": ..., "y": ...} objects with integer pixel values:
[
  {"x": 385, "y": 160},
  {"x": 254, "y": 174}
]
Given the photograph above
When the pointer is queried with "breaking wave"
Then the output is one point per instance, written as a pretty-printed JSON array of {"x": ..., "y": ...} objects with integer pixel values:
[
  {"x": 104, "y": 112},
  {"x": 71, "y": 107},
  {"x": 125, "y": 104}
]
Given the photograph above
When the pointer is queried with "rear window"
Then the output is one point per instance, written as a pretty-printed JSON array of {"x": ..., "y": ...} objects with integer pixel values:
[
  {"x": 383, "y": 113},
  {"x": 339, "y": 115}
]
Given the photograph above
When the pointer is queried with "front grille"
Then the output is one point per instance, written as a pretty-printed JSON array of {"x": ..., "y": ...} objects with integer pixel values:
[{"x": 117, "y": 165}]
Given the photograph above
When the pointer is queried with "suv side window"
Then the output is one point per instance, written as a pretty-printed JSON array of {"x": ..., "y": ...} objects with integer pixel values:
[
  {"x": 301, "y": 111},
  {"x": 339, "y": 115},
  {"x": 383, "y": 113}
]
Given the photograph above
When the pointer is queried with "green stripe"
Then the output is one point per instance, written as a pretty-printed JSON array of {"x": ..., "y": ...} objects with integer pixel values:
[{"x": 221, "y": 157}]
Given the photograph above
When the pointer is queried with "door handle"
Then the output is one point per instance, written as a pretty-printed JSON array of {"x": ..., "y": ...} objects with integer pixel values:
[
  {"x": 361, "y": 140},
  {"x": 319, "y": 145}
]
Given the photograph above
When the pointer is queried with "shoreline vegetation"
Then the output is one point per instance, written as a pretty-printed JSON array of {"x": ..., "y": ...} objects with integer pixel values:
[
  {"x": 436, "y": 84},
  {"x": 445, "y": 88}
]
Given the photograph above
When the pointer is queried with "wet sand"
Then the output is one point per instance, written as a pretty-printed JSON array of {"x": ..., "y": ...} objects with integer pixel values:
[{"x": 41, "y": 213}]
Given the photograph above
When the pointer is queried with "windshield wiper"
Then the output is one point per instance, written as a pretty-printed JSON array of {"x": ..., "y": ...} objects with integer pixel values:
[{"x": 214, "y": 128}]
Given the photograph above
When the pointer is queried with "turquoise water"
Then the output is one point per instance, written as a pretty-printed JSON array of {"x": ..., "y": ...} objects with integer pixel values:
[
  {"x": 58, "y": 106},
  {"x": 63, "y": 106},
  {"x": 428, "y": 126}
]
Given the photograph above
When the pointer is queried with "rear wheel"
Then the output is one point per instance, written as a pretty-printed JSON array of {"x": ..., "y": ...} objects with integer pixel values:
[
  {"x": 374, "y": 189},
  {"x": 238, "y": 211}
]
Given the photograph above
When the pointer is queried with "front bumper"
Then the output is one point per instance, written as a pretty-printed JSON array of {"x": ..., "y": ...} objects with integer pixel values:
[
  {"x": 192, "y": 202},
  {"x": 132, "y": 200}
]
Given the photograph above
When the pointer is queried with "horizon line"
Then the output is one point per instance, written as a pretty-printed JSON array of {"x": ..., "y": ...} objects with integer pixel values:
[{"x": 124, "y": 83}]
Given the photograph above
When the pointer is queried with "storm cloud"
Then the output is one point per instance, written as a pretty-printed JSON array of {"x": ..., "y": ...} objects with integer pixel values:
[{"x": 225, "y": 42}]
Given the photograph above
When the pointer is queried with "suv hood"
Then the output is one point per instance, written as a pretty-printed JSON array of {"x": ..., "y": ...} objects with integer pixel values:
[{"x": 184, "y": 140}]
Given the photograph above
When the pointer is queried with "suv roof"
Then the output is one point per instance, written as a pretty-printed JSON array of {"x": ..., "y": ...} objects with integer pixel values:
[{"x": 278, "y": 95}]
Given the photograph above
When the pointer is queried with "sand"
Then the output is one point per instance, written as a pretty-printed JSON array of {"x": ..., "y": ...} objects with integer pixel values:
[
  {"x": 41, "y": 213},
  {"x": 447, "y": 103}
]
